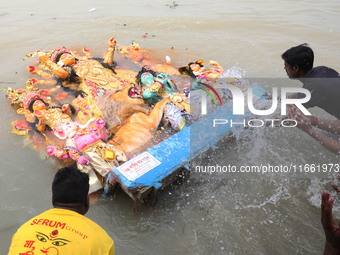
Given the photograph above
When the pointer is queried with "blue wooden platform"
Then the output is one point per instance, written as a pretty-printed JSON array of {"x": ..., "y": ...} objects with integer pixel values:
[{"x": 177, "y": 150}]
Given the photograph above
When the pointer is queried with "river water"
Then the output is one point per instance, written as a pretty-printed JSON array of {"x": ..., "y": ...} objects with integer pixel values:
[{"x": 210, "y": 213}]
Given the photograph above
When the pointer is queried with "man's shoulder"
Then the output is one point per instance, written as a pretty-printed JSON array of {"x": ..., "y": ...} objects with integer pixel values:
[
  {"x": 323, "y": 72},
  {"x": 73, "y": 216},
  {"x": 66, "y": 217},
  {"x": 76, "y": 231}
]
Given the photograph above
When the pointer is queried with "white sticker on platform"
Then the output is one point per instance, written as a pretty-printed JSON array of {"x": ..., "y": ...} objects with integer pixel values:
[{"x": 138, "y": 166}]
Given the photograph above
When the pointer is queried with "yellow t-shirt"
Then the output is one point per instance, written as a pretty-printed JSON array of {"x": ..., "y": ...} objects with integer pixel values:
[{"x": 61, "y": 231}]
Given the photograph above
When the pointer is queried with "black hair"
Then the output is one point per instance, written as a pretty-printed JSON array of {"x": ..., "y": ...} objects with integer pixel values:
[
  {"x": 73, "y": 110},
  {"x": 72, "y": 79},
  {"x": 145, "y": 69},
  {"x": 72, "y": 75},
  {"x": 58, "y": 57},
  {"x": 190, "y": 71},
  {"x": 30, "y": 106},
  {"x": 34, "y": 124},
  {"x": 107, "y": 65},
  {"x": 301, "y": 56},
  {"x": 70, "y": 185},
  {"x": 186, "y": 70}
]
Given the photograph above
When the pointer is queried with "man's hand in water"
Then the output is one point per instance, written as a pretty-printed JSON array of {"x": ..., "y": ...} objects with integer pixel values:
[{"x": 332, "y": 231}]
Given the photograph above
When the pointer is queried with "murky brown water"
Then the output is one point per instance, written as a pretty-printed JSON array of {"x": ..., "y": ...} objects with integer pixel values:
[{"x": 207, "y": 215}]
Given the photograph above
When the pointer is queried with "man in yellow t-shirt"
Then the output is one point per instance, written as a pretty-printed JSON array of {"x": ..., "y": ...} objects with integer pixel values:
[{"x": 64, "y": 229}]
